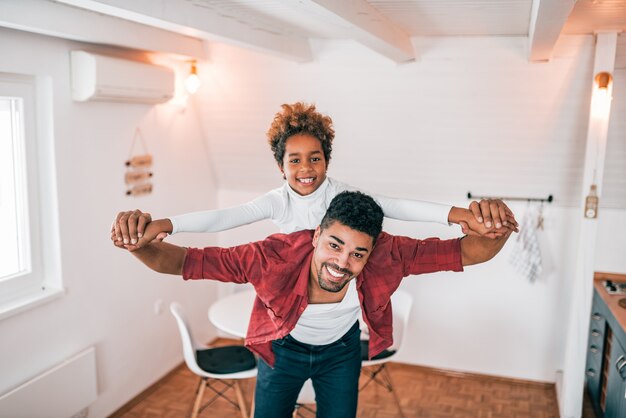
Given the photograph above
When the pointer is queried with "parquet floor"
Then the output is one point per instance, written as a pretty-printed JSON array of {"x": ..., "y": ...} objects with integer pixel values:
[{"x": 423, "y": 392}]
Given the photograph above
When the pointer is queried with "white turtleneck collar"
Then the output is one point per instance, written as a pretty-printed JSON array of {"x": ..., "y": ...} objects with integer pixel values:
[{"x": 312, "y": 196}]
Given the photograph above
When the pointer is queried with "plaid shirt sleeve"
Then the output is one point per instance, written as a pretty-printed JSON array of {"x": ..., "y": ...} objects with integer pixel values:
[
  {"x": 240, "y": 264},
  {"x": 428, "y": 255},
  {"x": 248, "y": 263}
]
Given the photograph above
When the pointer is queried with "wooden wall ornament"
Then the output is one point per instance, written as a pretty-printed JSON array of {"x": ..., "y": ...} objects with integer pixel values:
[{"x": 138, "y": 174}]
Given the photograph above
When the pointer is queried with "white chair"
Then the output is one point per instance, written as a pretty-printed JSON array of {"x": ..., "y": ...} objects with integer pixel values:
[
  {"x": 227, "y": 364},
  {"x": 375, "y": 369}
]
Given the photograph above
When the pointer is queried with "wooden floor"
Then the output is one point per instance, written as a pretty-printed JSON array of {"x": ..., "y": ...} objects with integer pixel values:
[
  {"x": 423, "y": 392},
  {"x": 588, "y": 411}
]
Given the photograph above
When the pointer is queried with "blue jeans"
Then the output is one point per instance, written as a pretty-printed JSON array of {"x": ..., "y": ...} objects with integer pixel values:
[{"x": 334, "y": 369}]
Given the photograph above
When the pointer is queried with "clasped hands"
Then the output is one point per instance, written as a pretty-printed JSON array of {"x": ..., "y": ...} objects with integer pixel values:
[
  {"x": 133, "y": 229},
  {"x": 490, "y": 218}
]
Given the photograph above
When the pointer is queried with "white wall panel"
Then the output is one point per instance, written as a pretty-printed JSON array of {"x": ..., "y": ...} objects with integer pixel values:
[
  {"x": 110, "y": 298},
  {"x": 471, "y": 115}
]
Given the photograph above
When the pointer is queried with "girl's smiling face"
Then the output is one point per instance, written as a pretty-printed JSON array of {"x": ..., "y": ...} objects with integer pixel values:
[{"x": 304, "y": 165}]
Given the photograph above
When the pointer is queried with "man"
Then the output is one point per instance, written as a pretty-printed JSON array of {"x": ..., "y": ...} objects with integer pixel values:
[{"x": 304, "y": 322}]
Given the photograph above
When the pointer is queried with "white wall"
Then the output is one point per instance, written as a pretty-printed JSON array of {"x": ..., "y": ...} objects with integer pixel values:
[
  {"x": 467, "y": 113},
  {"x": 110, "y": 297},
  {"x": 486, "y": 320},
  {"x": 471, "y": 115},
  {"x": 611, "y": 232}
]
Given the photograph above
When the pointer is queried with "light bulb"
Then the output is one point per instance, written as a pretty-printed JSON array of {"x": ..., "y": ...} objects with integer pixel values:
[
  {"x": 192, "y": 82},
  {"x": 601, "y": 96}
]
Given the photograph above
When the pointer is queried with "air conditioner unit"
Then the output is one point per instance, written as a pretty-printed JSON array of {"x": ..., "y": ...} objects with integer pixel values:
[{"x": 102, "y": 78}]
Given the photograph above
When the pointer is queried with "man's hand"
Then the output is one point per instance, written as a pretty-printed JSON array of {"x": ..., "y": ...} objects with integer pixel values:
[
  {"x": 133, "y": 229},
  {"x": 478, "y": 249}
]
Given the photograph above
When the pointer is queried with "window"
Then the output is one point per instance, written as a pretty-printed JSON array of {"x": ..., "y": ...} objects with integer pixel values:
[
  {"x": 29, "y": 272},
  {"x": 14, "y": 241}
]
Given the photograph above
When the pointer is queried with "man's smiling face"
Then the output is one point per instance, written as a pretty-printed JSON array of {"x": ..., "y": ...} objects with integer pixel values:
[{"x": 340, "y": 255}]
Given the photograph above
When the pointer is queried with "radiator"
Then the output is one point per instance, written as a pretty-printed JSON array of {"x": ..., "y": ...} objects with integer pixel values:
[{"x": 60, "y": 392}]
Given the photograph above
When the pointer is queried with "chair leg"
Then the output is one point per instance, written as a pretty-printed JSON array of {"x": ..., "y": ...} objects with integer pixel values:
[
  {"x": 252, "y": 407},
  {"x": 371, "y": 375},
  {"x": 393, "y": 391},
  {"x": 196, "y": 405},
  {"x": 240, "y": 400},
  {"x": 300, "y": 406}
]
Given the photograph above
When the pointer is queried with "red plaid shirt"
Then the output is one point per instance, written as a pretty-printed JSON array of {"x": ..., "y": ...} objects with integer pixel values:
[{"x": 279, "y": 266}]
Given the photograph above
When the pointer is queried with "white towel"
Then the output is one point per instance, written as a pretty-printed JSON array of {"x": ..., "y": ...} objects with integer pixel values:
[{"x": 526, "y": 254}]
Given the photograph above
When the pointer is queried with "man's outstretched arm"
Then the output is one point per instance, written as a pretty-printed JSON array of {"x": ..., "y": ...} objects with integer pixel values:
[
  {"x": 162, "y": 257},
  {"x": 159, "y": 256},
  {"x": 475, "y": 249}
]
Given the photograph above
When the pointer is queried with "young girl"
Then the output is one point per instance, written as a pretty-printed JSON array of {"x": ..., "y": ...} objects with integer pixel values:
[{"x": 301, "y": 140}]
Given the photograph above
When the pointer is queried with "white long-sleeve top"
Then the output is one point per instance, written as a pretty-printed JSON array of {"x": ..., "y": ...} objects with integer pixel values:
[{"x": 293, "y": 212}]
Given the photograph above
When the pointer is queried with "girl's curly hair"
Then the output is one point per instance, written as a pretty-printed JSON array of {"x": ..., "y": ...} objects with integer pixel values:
[{"x": 300, "y": 118}]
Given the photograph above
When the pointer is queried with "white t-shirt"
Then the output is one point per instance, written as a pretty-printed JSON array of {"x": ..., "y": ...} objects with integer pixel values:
[
  {"x": 292, "y": 212},
  {"x": 324, "y": 323}
]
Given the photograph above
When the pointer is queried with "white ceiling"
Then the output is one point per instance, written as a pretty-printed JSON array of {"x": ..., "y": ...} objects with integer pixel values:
[
  {"x": 414, "y": 17},
  {"x": 284, "y": 27},
  {"x": 591, "y": 16}
]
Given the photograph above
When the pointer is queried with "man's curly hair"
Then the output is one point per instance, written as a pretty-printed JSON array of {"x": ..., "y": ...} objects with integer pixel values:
[
  {"x": 300, "y": 118},
  {"x": 355, "y": 210}
]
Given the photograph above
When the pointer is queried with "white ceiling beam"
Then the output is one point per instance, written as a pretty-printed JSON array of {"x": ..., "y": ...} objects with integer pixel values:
[
  {"x": 374, "y": 30},
  {"x": 546, "y": 22},
  {"x": 62, "y": 21},
  {"x": 185, "y": 17}
]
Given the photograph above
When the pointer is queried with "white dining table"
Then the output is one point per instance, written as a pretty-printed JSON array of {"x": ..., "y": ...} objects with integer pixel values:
[{"x": 231, "y": 314}]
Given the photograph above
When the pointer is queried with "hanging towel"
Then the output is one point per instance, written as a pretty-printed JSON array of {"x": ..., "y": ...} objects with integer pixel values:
[{"x": 526, "y": 254}]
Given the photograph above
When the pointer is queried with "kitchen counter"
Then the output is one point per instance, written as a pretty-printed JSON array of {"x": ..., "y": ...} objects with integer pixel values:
[
  {"x": 606, "y": 348},
  {"x": 612, "y": 300}
]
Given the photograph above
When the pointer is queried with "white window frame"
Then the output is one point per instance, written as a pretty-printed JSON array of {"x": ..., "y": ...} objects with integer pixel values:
[{"x": 43, "y": 283}]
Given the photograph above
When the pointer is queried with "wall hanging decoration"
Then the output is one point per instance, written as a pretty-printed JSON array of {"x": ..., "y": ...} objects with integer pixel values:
[
  {"x": 138, "y": 174},
  {"x": 526, "y": 253}
]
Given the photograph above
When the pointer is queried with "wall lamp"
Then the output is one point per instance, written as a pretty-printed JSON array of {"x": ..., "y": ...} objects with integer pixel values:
[
  {"x": 602, "y": 95},
  {"x": 603, "y": 81},
  {"x": 192, "y": 82}
]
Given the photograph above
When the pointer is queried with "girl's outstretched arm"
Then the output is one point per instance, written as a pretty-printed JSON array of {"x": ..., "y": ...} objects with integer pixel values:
[
  {"x": 488, "y": 214},
  {"x": 137, "y": 228}
]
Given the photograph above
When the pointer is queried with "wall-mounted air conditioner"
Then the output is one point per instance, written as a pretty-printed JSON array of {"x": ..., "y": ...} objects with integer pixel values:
[{"x": 102, "y": 78}]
